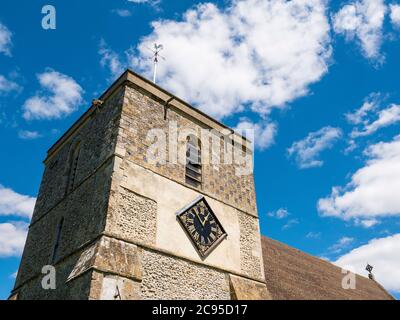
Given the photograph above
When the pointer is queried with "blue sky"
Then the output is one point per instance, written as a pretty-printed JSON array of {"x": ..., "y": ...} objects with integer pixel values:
[{"x": 318, "y": 82}]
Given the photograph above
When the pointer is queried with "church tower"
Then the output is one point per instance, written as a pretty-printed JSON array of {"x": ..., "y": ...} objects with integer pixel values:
[{"x": 143, "y": 198}]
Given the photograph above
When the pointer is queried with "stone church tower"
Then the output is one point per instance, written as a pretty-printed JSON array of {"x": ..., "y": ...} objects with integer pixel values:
[{"x": 116, "y": 225}]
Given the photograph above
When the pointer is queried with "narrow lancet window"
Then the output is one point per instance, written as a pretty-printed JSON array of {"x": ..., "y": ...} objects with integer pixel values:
[
  {"x": 73, "y": 167},
  {"x": 57, "y": 243}
]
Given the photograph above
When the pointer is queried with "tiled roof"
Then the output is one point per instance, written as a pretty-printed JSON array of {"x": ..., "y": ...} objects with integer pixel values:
[{"x": 294, "y": 275}]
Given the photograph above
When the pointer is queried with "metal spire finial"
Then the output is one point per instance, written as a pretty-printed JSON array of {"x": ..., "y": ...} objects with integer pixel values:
[{"x": 156, "y": 55}]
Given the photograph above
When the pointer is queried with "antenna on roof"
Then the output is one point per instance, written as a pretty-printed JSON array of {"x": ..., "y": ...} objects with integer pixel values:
[
  {"x": 156, "y": 54},
  {"x": 369, "y": 269}
]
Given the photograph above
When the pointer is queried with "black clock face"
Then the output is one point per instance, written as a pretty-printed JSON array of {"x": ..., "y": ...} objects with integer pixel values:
[{"x": 202, "y": 226}]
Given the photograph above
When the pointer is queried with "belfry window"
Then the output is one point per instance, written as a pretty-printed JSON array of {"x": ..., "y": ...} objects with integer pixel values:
[
  {"x": 73, "y": 167},
  {"x": 193, "y": 170}
]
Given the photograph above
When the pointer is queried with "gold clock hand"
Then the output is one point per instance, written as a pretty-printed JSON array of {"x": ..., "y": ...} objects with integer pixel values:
[
  {"x": 198, "y": 217},
  {"x": 206, "y": 219}
]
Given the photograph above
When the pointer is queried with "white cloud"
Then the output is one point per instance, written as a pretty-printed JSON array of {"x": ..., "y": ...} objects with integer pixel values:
[
  {"x": 7, "y": 86},
  {"x": 370, "y": 117},
  {"x": 150, "y": 2},
  {"x": 5, "y": 40},
  {"x": 351, "y": 145},
  {"x": 29, "y": 135},
  {"x": 253, "y": 55},
  {"x": 341, "y": 244},
  {"x": 313, "y": 235},
  {"x": 307, "y": 151},
  {"x": 12, "y": 238},
  {"x": 386, "y": 117},
  {"x": 281, "y": 213},
  {"x": 122, "y": 12},
  {"x": 370, "y": 104},
  {"x": 290, "y": 224},
  {"x": 110, "y": 60},
  {"x": 395, "y": 14},
  {"x": 362, "y": 20},
  {"x": 382, "y": 254},
  {"x": 64, "y": 97},
  {"x": 374, "y": 190},
  {"x": 13, "y": 203},
  {"x": 263, "y": 133},
  {"x": 368, "y": 223}
]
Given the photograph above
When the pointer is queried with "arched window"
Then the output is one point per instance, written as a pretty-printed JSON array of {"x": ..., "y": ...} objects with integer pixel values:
[
  {"x": 74, "y": 158},
  {"x": 193, "y": 174},
  {"x": 57, "y": 243}
]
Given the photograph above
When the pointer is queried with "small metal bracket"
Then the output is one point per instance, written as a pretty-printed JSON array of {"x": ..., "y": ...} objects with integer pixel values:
[
  {"x": 117, "y": 295},
  {"x": 166, "y": 107}
]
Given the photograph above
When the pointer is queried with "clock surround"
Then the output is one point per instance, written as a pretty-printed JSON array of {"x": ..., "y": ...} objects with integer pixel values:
[{"x": 201, "y": 226}]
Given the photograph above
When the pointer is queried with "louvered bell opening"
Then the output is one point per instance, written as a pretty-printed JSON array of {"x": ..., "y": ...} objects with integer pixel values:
[
  {"x": 193, "y": 182},
  {"x": 193, "y": 171},
  {"x": 193, "y": 174},
  {"x": 193, "y": 165}
]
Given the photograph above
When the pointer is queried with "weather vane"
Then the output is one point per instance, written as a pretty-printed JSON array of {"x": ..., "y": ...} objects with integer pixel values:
[
  {"x": 369, "y": 269},
  {"x": 156, "y": 55}
]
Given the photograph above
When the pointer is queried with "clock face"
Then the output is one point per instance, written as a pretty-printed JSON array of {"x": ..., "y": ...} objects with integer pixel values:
[{"x": 202, "y": 226}]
